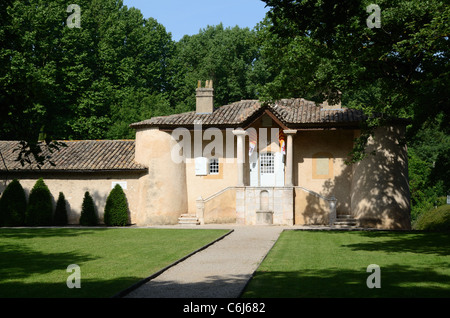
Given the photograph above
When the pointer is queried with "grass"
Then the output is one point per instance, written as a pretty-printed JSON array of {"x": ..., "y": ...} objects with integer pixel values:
[
  {"x": 33, "y": 261},
  {"x": 334, "y": 264}
]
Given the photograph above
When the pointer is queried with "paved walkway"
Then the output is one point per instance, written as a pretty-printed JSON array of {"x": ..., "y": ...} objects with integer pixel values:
[{"x": 220, "y": 271}]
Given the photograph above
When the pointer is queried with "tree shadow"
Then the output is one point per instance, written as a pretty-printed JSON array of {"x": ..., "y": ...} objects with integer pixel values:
[
  {"x": 412, "y": 242},
  {"x": 21, "y": 267},
  {"x": 378, "y": 195},
  {"x": 90, "y": 288},
  {"x": 397, "y": 281},
  {"x": 43, "y": 232},
  {"x": 20, "y": 261}
]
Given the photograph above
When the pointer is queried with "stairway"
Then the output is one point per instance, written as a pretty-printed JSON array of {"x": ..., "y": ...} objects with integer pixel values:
[
  {"x": 345, "y": 221},
  {"x": 188, "y": 219}
]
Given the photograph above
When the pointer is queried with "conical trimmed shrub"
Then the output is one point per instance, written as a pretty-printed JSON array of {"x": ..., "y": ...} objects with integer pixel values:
[
  {"x": 40, "y": 208},
  {"x": 116, "y": 208},
  {"x": 60, "y": 217},
  {"x": 13, "y": 205},
  {"x": 88, "y": 213}
]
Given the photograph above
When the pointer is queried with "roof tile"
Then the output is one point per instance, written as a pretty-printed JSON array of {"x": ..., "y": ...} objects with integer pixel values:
[{"x": 83, "y": 155}]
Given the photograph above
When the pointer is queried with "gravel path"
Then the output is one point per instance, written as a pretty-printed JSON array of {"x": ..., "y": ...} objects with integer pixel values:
[{"x": 220, "y": 271}]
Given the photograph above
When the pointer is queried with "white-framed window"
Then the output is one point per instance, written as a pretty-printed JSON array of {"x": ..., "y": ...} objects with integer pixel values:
[
  {"x": 267, "y": 163},
  {"x": 213, "y": 166}
]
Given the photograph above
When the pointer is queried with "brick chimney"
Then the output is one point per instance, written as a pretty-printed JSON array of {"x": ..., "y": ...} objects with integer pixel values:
[{"x": 205, "y": 98}]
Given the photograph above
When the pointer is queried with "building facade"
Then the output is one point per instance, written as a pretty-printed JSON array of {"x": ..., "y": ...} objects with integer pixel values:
[{"x": 250, "y": 163}]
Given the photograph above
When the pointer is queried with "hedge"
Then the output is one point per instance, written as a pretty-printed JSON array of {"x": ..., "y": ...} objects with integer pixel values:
[
  {"x": 40, "y": 208},
  {"x": 116, "y": 208},
  {"x": 88, "y": 213},
  {"x": 435, "y": 219},
  {"x": 60, "y": 217},
  {"x": 13, "y": 205}
]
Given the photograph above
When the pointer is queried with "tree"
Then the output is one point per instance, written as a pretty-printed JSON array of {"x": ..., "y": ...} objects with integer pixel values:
[
  {"x": 318, "y": 49},
  {"x": 60, "y": 217},
  {"x": 116, "y": 208},
  {"x": 322, "y": 48},
  {"x": 58, "y": 82},
  {"x": 227, "y": 56},
  {"x": 88, "y": 215},
  {"x": 13, "y": 204},
  {"x": 40, "y": 209}
]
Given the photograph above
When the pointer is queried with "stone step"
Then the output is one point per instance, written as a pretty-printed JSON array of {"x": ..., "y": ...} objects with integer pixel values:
[
  {"x": 339, "y": 226},
  {"x": 188, "y": 219},
  {"x": 345, "y": 221},
  {"x": 188, "y": 215},
  {"x": 344, "y": 216}
]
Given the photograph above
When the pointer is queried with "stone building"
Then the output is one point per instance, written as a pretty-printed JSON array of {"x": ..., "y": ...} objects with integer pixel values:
[{"x": 279, "y": 163}]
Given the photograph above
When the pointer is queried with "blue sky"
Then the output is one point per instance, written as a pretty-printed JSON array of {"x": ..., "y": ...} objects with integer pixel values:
[{"x": 182, "y": 17}]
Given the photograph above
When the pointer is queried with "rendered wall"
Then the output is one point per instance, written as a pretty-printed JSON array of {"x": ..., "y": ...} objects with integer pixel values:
[
  {"x": 221, "y": 208},
  {"x": 74, "y": 185},
  {"x": 337, "y": 143},
  {"x": 163, "y": 193},
  {"x": 310, "y": 209},
  {"x": 380, "y": 196},
  {"x": 207, "y": 185}
]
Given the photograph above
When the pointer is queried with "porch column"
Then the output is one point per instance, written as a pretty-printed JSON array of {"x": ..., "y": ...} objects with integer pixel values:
[
  {"x": 289, "y": 157},
  {"x": 240, "y": 134}
]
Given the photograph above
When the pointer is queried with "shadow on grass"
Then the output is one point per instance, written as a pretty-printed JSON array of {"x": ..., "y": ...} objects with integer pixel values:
[
  {"x": 397, "y": 281},
  {"x": 21, "y": 266},
  {"x": 414, "y": 242},
  {"x": 89, "y": 288},
  {"x": 413, "y": 264},
  {"x": 35, "y": 232}
]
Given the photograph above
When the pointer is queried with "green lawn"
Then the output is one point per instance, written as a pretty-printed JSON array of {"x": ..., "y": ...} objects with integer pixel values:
[
  {"x": 33, "y": 262},
  {"x": 334, "y": 264}
]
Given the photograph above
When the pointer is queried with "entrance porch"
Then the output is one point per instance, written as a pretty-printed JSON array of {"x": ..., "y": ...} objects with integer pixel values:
[{"x": 265, "y": 193}]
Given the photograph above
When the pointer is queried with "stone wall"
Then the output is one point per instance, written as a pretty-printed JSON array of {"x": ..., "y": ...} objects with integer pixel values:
[{"x": 279, "y": 201}]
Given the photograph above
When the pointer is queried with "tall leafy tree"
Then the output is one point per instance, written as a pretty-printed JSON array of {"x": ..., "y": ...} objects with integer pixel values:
[
  {"x": 316, "y": 49},
  {"x": 59, "y": 82},
  {"x": 321, "y": 48},
  {"x": 227, "y": 56}
]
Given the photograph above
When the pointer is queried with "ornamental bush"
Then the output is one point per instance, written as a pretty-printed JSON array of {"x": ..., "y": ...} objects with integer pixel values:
[
  {"x": 40, "y": 208},
  {"x": 435, "y": 219},
  {"x": 60, "y": 217},
  {"x": 116, "y": 208},
  {"x": 13, "y": 205},
  {"x": 88, "y": 213}
]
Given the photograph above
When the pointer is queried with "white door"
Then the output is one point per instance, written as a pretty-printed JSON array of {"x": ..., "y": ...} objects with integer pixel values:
[
  {"x": 267, "y": 169},
  {"x": 279, "y": 169},
  {"x": 254, "y": 169}
]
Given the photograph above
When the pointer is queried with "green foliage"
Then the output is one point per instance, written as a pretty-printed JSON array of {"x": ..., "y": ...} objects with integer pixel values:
[
  {"x": 116, "y": 208},
  {"x": 227, "y": 56},
  {"x": 88, "y": 215},
  {"x": 118, "y": 68},
  {"x": 40, "y": 210},
  {"x": 71, "y": 83},
  {"x": 435, "y": 219},
  {"x": 60, "y": 217},
  {"x": 13, "y": 204},
  {"x": 316, "y": 49},
  {"x": 428, "y": 154}
]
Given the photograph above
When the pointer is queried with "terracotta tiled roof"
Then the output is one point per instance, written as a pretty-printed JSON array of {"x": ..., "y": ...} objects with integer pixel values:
[
  {"x": 294, "y": 113},
  {"x": 84, "y": 155}
]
